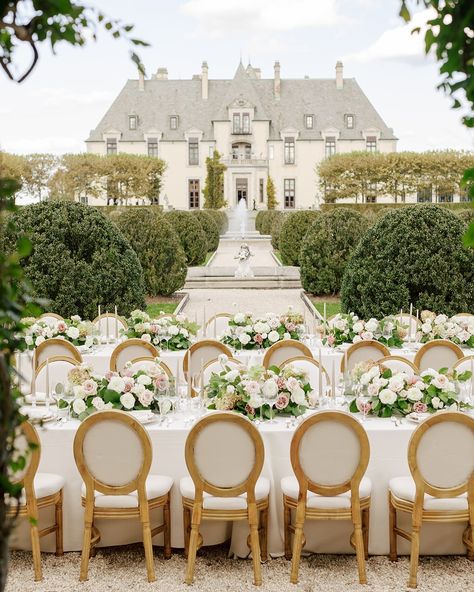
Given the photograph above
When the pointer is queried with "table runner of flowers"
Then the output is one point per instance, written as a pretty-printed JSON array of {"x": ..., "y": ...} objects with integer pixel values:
[
  {"x": 74, "y": 330},
  {"x": 173, "y": 333}
]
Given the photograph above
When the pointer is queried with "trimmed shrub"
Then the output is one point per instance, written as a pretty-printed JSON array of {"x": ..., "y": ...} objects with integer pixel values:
[
  {"x": 413, "y": 255},
  {"x": 191, "y": 234},
  {"x": 210, "y": 228},
  {"x": 220, "y": 218},
  {"x": 276, "y": 229},
  {"x": 258, "y": 219},
  {"x": 79, "y": 259},
  {"x": 158, "y": 247},
  {"x": 292, "y": 234},
  {"x": 326, "y": 248},
  {"x": 466, "y": 216},
  {"x": 267, "y": 221}
]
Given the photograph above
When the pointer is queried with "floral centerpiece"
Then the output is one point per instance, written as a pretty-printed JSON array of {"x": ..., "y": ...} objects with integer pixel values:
[
  {"x": 440, "y": 326},
  {"x": 246, "y": 390},
  {"x": 128, "y": 390},
  {"x": 348, "y": 328},
  {"x": 74, "y": 330},
  {"x": 439, "y": 389},
  {"x": 173, "y": 333},
  {"x": 246, "y": 331}
]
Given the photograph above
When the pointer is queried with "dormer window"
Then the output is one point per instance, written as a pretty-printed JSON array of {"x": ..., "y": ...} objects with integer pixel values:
[
  {"x": 245, "y": 123},
  {"x": 174, "y": 122},
  {"x": 132, "y": 122},
  {"x": 371, "y": 144},
  {"x": 308, "y": 121},
  {"x": 350, "y": 121}
]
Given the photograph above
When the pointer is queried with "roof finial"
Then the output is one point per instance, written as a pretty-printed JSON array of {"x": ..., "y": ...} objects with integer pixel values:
[{"x": 241, "y": 56}]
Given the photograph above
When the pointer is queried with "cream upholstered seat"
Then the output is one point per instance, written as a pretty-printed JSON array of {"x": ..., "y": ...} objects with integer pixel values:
[
  {"x": 399, "y": 364},
  {"x": 215, "y": 367},
  {"x": 51, "y": 318},
  {"x": 437, "y": 354},
  {"x": 200, "y": 353},
  {"x": 464, "y": 363},
  {"x": 363, "y": 351},
  {"x": 56, "y": 369},
  {"x": 463, "y": 316},
  {"x": 441, "y": 486},
  {"x": 109, "y": 325},
  {"x": 217, "y": 324},
  {"x": 129, "y": 350},
  {"x": 113, "y": 454},
  {"x": 147, "y": 362},
  {"x": 224, "y": 455},
  {"x": 281, "y": 351},
  {"x": 329, "y": 455},
  {"x": 311, "y": 367},
  {"x": 55, "y": 347},
  {"x": 40, "y": 490}
]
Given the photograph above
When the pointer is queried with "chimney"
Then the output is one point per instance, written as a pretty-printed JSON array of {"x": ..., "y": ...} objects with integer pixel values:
[
  {"x": 339, "y": 78},
  {"x": 141, "y": 81},
  {"x": 276, "y": 80},
  {"x": 204, "y": 81},
  {"x": 162, "y": 74}
]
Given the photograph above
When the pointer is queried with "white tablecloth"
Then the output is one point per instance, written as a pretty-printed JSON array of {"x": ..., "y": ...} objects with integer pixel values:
[{"x": 388, "y": 459}]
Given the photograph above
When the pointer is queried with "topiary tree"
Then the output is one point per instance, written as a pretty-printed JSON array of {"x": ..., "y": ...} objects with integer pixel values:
[
  {"x": 191, "y": 234},
  {"x": 210, "y": 228},
  {"x": 220, "y": 218},
  {"x": 267, "y": 221},
  {"x": 214, "y": 186},
  {"x": 413, "y": 255},
  {"x": 258, "y": 220},
  {"x": 292, "y": 233},
  {"x": 271, "y": 194},
  {"x": 79, "y": 259},
  {"x": 276, "y": 229},
  {"x": 158, "y": 247},
  {"x": 326, "y": 248},
  {"x": 466, "y": 216}
]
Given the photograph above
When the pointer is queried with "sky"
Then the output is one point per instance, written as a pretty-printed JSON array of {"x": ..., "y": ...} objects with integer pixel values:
[{"x": 68, "y": 93}]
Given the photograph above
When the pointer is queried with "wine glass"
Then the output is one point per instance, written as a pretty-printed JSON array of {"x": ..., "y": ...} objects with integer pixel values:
[
  {"x": 68, "y": 396},
  {"x": 363, "y": 402},
  {"x": 58, "y": 393},
  {"x": 270, "y": 398},
  {"x": 386, "y": 332},
  {"x": 339, "y": 398}
]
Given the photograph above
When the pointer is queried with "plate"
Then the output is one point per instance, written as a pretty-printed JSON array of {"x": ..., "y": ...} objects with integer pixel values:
[
  {"x": 143, "y": 416},
  {"x": 40, "y": 399},
  {"x": 417, "y": 417},
  {"x": 36, "y": 415}
]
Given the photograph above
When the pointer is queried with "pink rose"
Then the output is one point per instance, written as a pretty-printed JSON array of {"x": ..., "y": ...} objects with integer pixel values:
[
  {"x": 161, "y": 382},
  {"x": 331, "y": 340},
  {"x": 281, "y": 383},
  {"x": 61, "y": 326},
  {"x": 129, "y": 383},
  {"x": 258, "y": 339},
  {"x": 90, "y": 387},
  {"x": 290, "y": 327},
  {"x": 109, "y": 374},
  {"x": 154, "y": 328},
  {"x": 249, "y": 409},
  {"x": 127, "y": 372},
  {"x": 363, "y": 407},
  {"x": 420, "y": 407},
  {"x": 412, "y": 379},
  {"x": 282, "y": 402},
  {"x": 145, "y": 397}
]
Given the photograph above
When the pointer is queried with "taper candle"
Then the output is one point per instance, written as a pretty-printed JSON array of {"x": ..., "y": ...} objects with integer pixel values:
[
  {"x": 116, "y": 324},
  {"x": 411, "y": 321},
  {"x": 215, "y": 328},
  {"x": 106, "y": 326},
  {"x": 320, "y": 385},
  {"x": 46, "y": 400},
  {"x": 33, "y": 394},
  {"x": 472, "y": 380},
  {"x": 333, "y": 380},
  {"x": 204, "y": 328}
]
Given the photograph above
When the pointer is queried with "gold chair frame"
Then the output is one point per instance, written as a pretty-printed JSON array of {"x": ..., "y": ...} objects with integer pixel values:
[
  {"x": 437, "y": 343},
  {"x": 91, "y": 532},
  {"x": 166, "y": 369},
  {"x": 154, "y": 352},
  {"x": 113, "y": 316},
  {"x": 304, "y": 349},
  {"x": 312, "y": 361},
  {"x": 358, "y": 513},
  {"x": 197, "y": 346},
  {"x": 461, "y": 360},
  {"x": 51, "y": 360},
  {"x": 30, "y": 509},
  {"x": 194, "y": 512},
  {"x": 400, "y": 359},
  {"x": 219, "y": 315},
  {"x": 72, "y": 349},
  {"x": 361, "y": 344},
  {"x": 52, "y": 315},
  {"x": 419, "y": 515}
]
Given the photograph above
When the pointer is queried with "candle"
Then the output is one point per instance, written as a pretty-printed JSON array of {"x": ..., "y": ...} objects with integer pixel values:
[
  {"x": 320, "y": 386},
  {"x": 401, "y": 315},
  {"x": 472, "y": 379},
  {"x": 411, "y": 322},
  {"x": 201, "y": 378},
  {"x": 19, "y": 371},
  {"x": 333, "y": 379},
  {"x": 177, "y": 379},
  {"x": 324, "y": 317},
  {"x": 98, "y": 308},
  {"x": 116, "y": 324},
  {"x": 33, "y": 394},
  {"x": 106, "y": 326},
  {"x": 417, "y": 321},
  {"x": 190, "y": 377},
  {"x": 47, "y": 384}
]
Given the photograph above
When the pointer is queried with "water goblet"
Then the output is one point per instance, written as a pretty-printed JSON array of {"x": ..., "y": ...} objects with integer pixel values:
[
  {"x": 270, "y": 399},
  {"x": 363, "y": 402}
]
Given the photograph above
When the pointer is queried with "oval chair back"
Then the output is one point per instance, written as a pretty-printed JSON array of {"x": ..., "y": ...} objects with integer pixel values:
[
  {"x": 109, "y": 325},
  {"x": 55, "y": 347},
  {"x": 200, "y": 353},
  {"x": 147, "y": 362},
  {"x": 362, "y": 352},
  {"x": 399, "y": 364},
  {"x": 51, "y": 318},
  {"x": 130, "y": 350},
  {"x": 217, "y": 324},
  {"x": 283, "y": 350},
  {"x": 56, "y": 369},
  {"x": 436, "y": 354},
  {"x": 465, "y": 363},
  {"x": 312, "y": 369}
]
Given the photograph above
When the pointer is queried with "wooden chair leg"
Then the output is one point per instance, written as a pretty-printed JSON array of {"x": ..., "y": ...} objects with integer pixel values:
[
  {"x": 393, "y": 556},
  {"x": 193, "y": 543},
  {"x": 186, "y": 529},
  {"x": 365, "y": 531},
  {"x": 147, "y": 541},
  {"x": 59, "y": 525},
  {"x": 255, "y": 544},
  {"x": 86, "y": 543},
  {"x": 414, "y": 556},
  {"x": 35, "y": 542},
  {"x": 264, "y": 534},
  {"x": 360, "y": 551},
  {"x": 167, "y": 529},
  {"x": 287, "y": 532},
  {"x": 298, "y": 540}
]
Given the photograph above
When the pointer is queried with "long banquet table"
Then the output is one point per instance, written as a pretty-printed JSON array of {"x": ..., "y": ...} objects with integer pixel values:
[{"x": 388, "y": 459}]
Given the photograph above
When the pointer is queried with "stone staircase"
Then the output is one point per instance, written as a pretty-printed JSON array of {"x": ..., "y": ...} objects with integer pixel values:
[{"x": 223, "y": 277}]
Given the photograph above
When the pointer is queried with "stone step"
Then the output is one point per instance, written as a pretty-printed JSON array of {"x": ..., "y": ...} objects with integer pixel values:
[
  {"x": 288, "y": 272},
  {"x": 226, "y": 282}
]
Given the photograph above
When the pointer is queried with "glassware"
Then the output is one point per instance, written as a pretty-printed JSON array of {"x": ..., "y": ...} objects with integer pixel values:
[
  {"x": 270, "y": 399},
  {"x": 68, "y": 396},
  {"x": 363, "y": 402}
]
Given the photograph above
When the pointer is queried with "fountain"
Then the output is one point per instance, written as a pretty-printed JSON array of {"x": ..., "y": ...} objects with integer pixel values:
[{"x": 238, "y": 220}]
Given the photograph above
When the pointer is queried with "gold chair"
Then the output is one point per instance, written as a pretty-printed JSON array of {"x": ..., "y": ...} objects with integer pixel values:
[
  {"x": 363, "y": 351},
  {"x": 312, "y": 369},
  {"x": 217, "y": 324},
  {"x": 51, "y": 318},
  {"x": 55, "y": 347},
  {"x": 441, "y": 488},
  {"x": 283, "y": 350},
  {"x": 129, "y": 350},
  {"x": 109, "y": 324},
  {"x": 464, "y": 363},
  {"x": 224, "y": 455},
  {"x": 200, "y": 353},
  {"x": 113, "y": 454},
  {"x": 399, "y": 364},
  {"x": 40, "y": 490},
  {"x": 54, "y": 369},
  {"x": 149, "y": 362},
  {"x": 463, "y": 316},
  {"x": 329, "y": 485},
  {"x": 214, "y": 366},
  {"x": 436, "y": 354}
]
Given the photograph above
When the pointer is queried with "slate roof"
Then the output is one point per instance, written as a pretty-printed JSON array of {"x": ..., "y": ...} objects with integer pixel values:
[{"x": 163, "y": 98}]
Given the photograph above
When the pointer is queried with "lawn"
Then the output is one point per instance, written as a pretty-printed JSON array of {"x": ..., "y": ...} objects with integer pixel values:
[
  {"x": 208, "y": 256},
  {"x": 332, "y": 306},
  {"x": 278, "y": 256},
  {"x": 155, "y": 306}
]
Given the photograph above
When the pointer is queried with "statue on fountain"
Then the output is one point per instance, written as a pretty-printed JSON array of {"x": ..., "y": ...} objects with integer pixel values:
[{"x": 243, "y": 269}]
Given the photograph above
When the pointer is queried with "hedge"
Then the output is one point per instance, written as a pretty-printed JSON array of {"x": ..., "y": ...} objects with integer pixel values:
[
  {"x": 220, "y": 218},
  {"x": 267, "y": 221},
  {"x": 276, "y": 229},
  {"x": 191, "y": 234},
  {"x": 326, "y": 248},
  {"x": 292, "y": 234},
  {"x": 79, "y": 259},
  {"x": 210, "y": 228},
  {"x": 258, "y": 219},
  {"x": 413, "y": 255},
  {"x": 158, "y": 247}
]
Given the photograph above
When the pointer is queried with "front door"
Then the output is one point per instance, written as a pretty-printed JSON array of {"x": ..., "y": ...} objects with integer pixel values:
[{"x": 241, "y": 186}]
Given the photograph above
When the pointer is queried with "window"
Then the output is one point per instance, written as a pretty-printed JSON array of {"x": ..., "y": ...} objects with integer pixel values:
[
  {"x": 308, "y": 121},
  {"x": 289, "y": 193},
  {"x": 193, "y": 194},
  {"x": 153, "y": 147},
  {"x": 350, "y": 121},
  {"x": 371, "y": 144},
  {"x": 111, "y": 146},
  {"x": 424, "y": 194},
  {"x": 445, "y": 197},
  {"x": 193, "y": 148},
  {"x": 271, "y": 152},
  {"x": 84, "y": 199},
  {"x": 289, "y": 151},
  {"x": 211, "y": 151},
  {"x": 236, "y": 123},
  {"x": 261, "y": 190},
  {"x": 330, "y": 146},
  {"x": 174, "y": 122},
  {"x": 132, "y": 122},
  {"x": 246, "y": 123}
]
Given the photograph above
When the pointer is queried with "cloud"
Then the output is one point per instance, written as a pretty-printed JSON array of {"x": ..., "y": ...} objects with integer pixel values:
[
  {"x": 54, "y": 97},
  {"x": 397, "y": 43},
  {"x": 53, "y": 144},
  {"x": 221, "y": 17}
]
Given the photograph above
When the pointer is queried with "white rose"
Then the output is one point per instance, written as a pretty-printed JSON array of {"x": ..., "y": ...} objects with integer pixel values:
[
  {"x": 373, "y": 389},
  {"x": 372, "y": 325},
  {"x": 396, "y": 384},
  {"x": 259, "y": 327},
  {"x": 72, "y": 332},
  {"x": 366, "y": 335},
  {"x": 436, "y": 402},
  {"x": 440, "y": 382},
  {"x": 127, "y": 400},
  {"x": 231, "y": 375},
  {"x": 429, "y": 372},
  {"x": 387, "y": 397},
  {"x": 173, "y": 330},
  {"x": 286, "y": 336},
  {"x": 184, "y": 332},
  {"x": 414, "y": 394},
  {"x": 223, "y": 359},
  {"x": 98, "y": 403},
  {"x": 239, "y": 318},
  {"x": 39, "y": 340},
  {"x": 116, "y": 383},
  {"x": 340, "y": 324},
  {"x": 29, "y": 340},
  {"x": 374, "y": 372},
  {"x": 270, "y": 388},
  {"x": 274, "y": 323},
  {"x": 78, "y": 406},
  {"x": 146, "y": 397},
  {"x": 79, "y": 392},
  {"x": 273, "y": 336},
  {"x": 138, "y": 389},
  {"x": 298, "y": 396},
  {"x": 230, "y": 390},
  {"x": 365, "y": 378},
  {"x": 143, "y": 379},
  {"x": 440, "y": 319},
  {"x": 426, "y": 327},
  {"x": 356, "y": 339},
  {"x": 358, "y": 327},
  {"x": 244, "y": 338},
  {"x": 146, "y": 337},
  {"x": 463, "y": 336}
]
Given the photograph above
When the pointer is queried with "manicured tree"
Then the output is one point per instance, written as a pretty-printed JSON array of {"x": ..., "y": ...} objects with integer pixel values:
[
  {"x": 158, "y": 247},
  {"x": 191, "y": 234},
  {"x": 326, "y": 248},
  {"x": 271, "y": 194},
  {"x": 413, "y": 255},
  {"x": 258, "y": 220},
  {"x": 267, "y": 220},
  {"x": 210, "y": 228},
  {"x": 220, "y": 218},
  {"x": 276, "y": 227},
  {"x": 292, "y": 234},
  {"x": 214, "y": 187}
]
